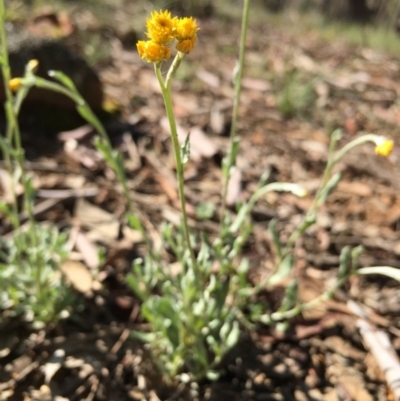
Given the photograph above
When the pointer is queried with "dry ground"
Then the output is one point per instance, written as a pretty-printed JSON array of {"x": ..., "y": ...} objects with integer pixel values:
[{"x": 297, "y": 89}]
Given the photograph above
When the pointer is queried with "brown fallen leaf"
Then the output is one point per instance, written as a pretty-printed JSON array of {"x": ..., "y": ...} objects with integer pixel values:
[
  {"x": 208, "y": 78},
  {"x": 82, "y": 154},
  {"x": 133, "y": 163},
  {"x": 256, "y": 84},
  {"x": 234, "y": 187},
  {"x": 355, "y": 387},
  {"x": 200, "y": 144},
  {"x": 346, "y": 81},
  {"x": 200, "y": 141},
  {"x": 53, "y": 365},
  {"x": 78, "y": 276},
  {"x": 217, "y": 120},
  {"x": 164, "y": 176},
  {"x": 355, "y": 188},
  {"x": 104, "y": 226},
  {"x": 88, "y": 250},
  {"x": 77, "y": 133},
  {"x": 6, "y": 186}
]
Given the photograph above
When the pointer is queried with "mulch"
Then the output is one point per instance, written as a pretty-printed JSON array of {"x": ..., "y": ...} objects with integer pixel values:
[{"x": 91, "y": 355}]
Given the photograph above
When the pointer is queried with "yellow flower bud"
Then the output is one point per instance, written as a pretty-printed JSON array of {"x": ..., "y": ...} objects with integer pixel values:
[
  {"x": 385, "y": 147},
  {"x": 110, "y": 107},
  {"x": 186, "y": 45},
  {"x": 14, "y": 84},
  {"x": 32, "y": 65}
]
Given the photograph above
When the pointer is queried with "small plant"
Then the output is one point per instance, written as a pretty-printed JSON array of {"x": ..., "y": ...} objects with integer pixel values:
[
  {"x": 296, "y": 96},
  {"x": 30, "y": 281}
]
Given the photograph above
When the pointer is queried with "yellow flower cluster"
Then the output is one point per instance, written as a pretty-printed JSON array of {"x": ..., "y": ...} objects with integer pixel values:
[
  {"x": 162, "y": 30},
  {"x": 384, "y": 147}
]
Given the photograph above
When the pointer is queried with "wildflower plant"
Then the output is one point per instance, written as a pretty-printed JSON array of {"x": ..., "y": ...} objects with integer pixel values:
[
  {"x": 35, "y": 254},
  {"x": 195, "y": 315},
  {"x": 193, "y": 324}
]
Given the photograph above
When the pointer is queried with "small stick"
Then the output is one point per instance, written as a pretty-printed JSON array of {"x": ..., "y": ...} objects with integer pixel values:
[{"x": 378, "y": 343}]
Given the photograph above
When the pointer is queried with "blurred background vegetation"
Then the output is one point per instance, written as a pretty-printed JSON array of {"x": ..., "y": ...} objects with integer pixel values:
[{"x": 374, "y": 23}]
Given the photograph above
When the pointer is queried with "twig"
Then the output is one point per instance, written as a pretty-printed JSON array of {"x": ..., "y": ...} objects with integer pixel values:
[
  {"x": 21, "y": 375},
  {"x": 378, "y": 343}
]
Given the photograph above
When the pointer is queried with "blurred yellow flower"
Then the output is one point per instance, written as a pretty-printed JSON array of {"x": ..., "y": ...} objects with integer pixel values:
[
  {"x": 14, "y": 84},
  {"x": 153, "y": 52},
  {"x": 110, "y": 106},
  {"x": 384, "y": 147},
  {"x": 161, "y": 27},
  {"x": 186, "y": 34},
  {"x": 186, "y": 45},
  {"x": 186, "y": 28}
]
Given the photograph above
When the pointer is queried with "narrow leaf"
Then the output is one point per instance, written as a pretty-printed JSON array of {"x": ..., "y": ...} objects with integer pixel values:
[
  {"x": 290, "y": 298},
  {"x": 185, "y": 150},
  {"x": 62, "y": 78},
  {"x": 233, "y": 336},
  {"x": 388, "y": 271},
  {"x": 275, "y": 237},
  {"x": 329, "y": 188},
  {"x": 284, "y": 270},
  {"x": 144, "y": 337},
  {"x": 345, "y": 262}
]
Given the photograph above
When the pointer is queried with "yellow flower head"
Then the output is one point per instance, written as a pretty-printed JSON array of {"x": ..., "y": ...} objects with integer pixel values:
[
  {"x": 186, "y": 34},
  {"x": 161, "y": 27},
  {"x": 14, "y": 84},
  {"x": 153, "y": 52},
  {"x": 384, "y": 147},
  {"x": 186, "y": 28}
]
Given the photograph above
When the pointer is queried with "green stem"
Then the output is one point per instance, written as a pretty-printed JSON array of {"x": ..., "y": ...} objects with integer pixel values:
[
  {"x": 5, "y": 67},
  {"x": 13, "y": 136},
  {"x": 166, "y": 92},
  {"x": 248, "y": 207},
  {"x": 171, "y": 72},
  {"x": 278, "y": 316},
  {"x": 92, "y": 119},
  {"x": 230, "y": 158},
  {"x": 355, "y": 142},
  {"x": 332, "y": 160},
  {"x": 311, "y": 212}
]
